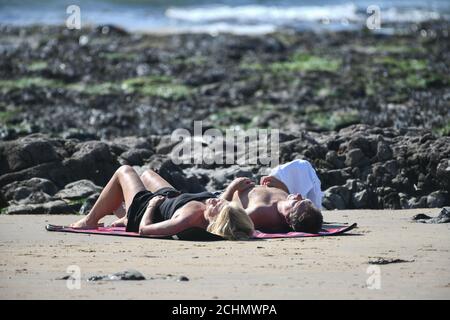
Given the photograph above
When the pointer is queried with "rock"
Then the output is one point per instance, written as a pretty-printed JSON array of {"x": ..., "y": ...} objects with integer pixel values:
[
  {"x": 95, "y": 151},
  {"x": 387, "y": 261},
  {"x": 341, "y": 191},
  {"x": 336, "y": 161},
  {"x": 89, "y": 203},
  {"x": 360, "y": 199},
  {"x": 182, "y": 278},
  {"x": 353, "y": 157},
  {"x": 334, "y": 200},
  {"x": 79, "y": 135},
  {"x": 52, "y": 207},
  {"x": 174, "y": 174},
  {"x": 442, "y": 217},
  {"x": 133, "y": 142},
  {"x": 78, "y": 190},
  {"x": 384, "y": 152},
  {"x": 28, "y": 152},
  {"x": 19, "y": 190},
  {"x": 388, "y": 198},
  {"x": 443, "y": 173},
  {"x": 421, "y": 216},
  {"x": 414, "y": 203},
  {"x": 166, "y": 145},
  {"x": 333, "y": 177},
  {"x": 67, "y": 277},
  {"x": 37, "y": 197},
  {"x": 135, "y": 157},
  {"x": 438, "y": 199}
]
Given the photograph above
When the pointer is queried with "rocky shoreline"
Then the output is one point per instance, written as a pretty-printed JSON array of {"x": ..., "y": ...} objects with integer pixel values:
[{"x": 370, "y": 111}]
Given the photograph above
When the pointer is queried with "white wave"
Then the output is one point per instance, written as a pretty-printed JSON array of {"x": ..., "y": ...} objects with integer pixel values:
[
  {"x": 408, "y": 15},
  {"x": 258, "y": 13},
  {"x": 222, "y": 27}
]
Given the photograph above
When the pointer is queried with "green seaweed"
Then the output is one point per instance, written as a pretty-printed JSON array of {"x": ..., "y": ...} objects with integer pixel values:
[
  {"x": 443, "y": 130},
  {"x": 94, "y": 88},
  {"x": 5, "y": 116},
  {"x": 119, "y": 55},
  {"x": 398, "y": 66},
  {"x": 298, "y": 62},
  {"x": 28, "y": 82},
  {"x": 306, "y": 62},
  {"x": 157, "y": 86},
  {"x": 37, "y": 66},
  {"x": 228, "y": 117},
  {"x": 334, "y": 120}
]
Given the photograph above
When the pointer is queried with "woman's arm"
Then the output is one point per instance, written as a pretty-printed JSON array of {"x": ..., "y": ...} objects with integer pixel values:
[
  {"x": 147, "y": 218},
  {"x": 166, "y": 228},
  {"x": 170, "y": 227}
]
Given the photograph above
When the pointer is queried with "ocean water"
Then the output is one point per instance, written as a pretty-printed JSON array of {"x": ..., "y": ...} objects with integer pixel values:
[{"x": 215, "y": 16}]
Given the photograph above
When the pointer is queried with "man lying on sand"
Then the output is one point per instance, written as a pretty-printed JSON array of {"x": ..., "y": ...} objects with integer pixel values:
[
  {"x": 154, "y": 207},
  {"x": 288, "y": 199}
]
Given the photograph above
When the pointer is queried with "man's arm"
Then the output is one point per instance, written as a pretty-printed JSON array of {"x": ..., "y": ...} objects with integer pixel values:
[
  {"x": 273, "y": 182},
  {"x": 238, "y": 184}
]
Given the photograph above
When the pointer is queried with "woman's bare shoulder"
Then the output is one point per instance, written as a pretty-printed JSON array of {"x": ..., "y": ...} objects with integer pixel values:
[{"x": 190, "y": 210}]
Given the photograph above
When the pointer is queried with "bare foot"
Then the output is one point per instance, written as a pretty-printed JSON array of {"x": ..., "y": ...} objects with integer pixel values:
[
  {"x": 122, "y": 222},
  {"x": 84, "y": 224}
]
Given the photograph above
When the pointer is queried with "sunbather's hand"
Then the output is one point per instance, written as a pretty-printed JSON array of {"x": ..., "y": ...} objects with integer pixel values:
[
  {"x": 156, "y": 201},
  {"x": 241, "y": 184},
  {"x": 267, "y": 181},
  {"x": 271, "y": 181}
]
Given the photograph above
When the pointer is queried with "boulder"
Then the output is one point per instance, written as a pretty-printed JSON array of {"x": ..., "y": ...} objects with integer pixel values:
[
  {"x": 27, "y": 152},
  {"x": 333, "y": 201},
  {"x": 19, "y": 190},
  {"x": 360, "y": 199},
  {"x": 438, "y": 199},
  {"x": 135, "y": 157},
  {"x": 354, "y": 157},
  {"x": 52, "y": 207},
  {"x": 78, "y": 190},
  {"x": 384, "y": 151}
]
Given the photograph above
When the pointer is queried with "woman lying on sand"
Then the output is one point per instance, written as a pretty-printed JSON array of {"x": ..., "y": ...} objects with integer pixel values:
[{"x": 164, "y": 210}]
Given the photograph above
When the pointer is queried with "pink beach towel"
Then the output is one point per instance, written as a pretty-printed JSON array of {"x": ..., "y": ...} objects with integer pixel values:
[{"x": 198, "y": 234}]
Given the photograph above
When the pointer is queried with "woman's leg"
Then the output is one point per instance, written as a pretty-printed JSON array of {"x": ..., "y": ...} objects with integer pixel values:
[
  {"x": 153, "y": 181},
  {"x": 123, "y": 186}
]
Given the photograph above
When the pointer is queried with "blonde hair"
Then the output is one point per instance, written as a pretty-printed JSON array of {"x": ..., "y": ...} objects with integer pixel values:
[{"x": 232, "y": 223}]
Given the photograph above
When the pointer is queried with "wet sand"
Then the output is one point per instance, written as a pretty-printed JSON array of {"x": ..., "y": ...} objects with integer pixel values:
[{"x": 313, "y": 268}]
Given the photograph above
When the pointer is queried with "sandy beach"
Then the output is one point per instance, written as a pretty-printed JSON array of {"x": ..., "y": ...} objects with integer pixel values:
[{"x": 313, "y": 268}]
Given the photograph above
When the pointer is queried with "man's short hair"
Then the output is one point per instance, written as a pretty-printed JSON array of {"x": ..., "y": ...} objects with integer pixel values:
[{"x": 307, "y": 220}]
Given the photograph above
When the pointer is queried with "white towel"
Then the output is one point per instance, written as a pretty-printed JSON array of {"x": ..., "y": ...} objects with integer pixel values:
[{"x": 300, "y": 177}]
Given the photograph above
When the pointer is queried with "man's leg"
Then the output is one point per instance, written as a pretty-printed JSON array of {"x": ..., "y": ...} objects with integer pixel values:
[{"x": 123, "y": 186}]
